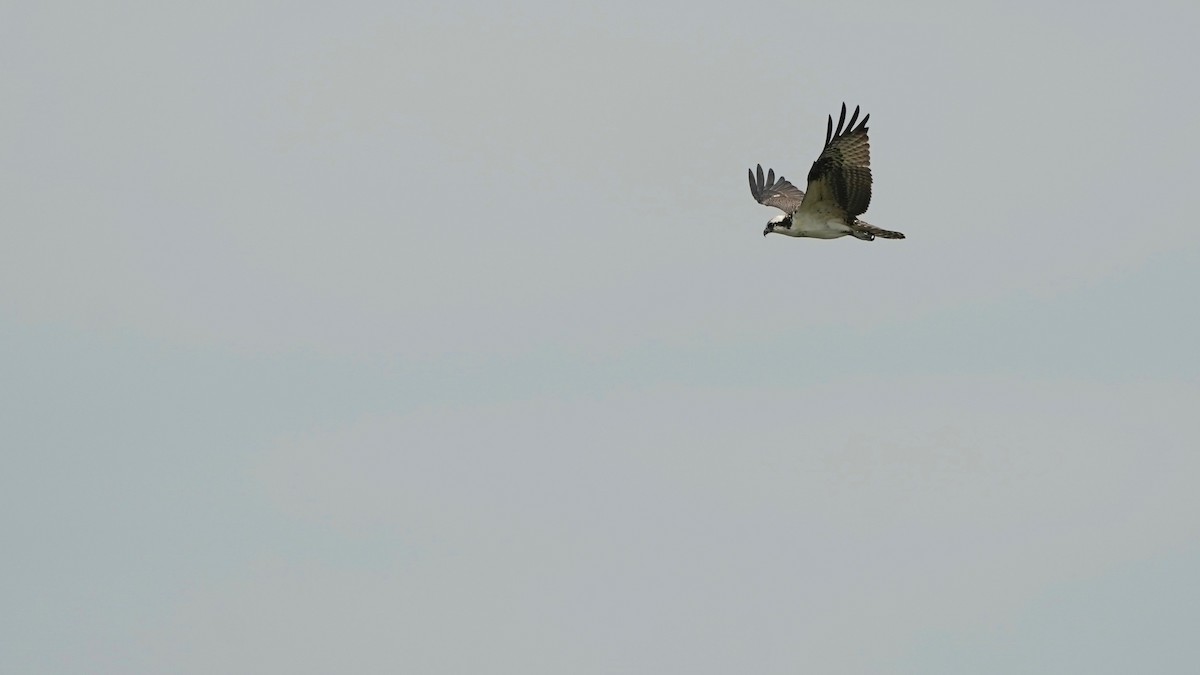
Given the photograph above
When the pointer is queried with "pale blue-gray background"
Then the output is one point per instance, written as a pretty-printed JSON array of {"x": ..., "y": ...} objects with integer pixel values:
[{"x": 387, "y": 338}]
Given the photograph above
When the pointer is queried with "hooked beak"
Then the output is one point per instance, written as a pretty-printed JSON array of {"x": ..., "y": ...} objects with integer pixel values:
[{"x": 767, "y": 230}]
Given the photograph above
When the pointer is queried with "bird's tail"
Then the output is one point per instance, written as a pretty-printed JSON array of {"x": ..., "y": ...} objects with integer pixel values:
[{"x": 867, "y": 231}]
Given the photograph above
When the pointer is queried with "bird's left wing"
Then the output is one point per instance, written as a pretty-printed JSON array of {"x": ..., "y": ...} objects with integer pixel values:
[
  {"x": 778, "y": 193},
  {"x": 843, "y": 171}
]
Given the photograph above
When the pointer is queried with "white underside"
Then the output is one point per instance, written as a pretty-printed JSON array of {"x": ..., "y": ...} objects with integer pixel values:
[{"x": 816, "y": 225}]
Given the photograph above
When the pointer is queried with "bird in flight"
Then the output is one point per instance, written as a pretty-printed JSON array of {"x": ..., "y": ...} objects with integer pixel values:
[{"x": 839, "y": 189}]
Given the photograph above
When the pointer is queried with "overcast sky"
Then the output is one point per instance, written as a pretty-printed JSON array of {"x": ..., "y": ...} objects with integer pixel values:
[{"x": 380, "y": 338}]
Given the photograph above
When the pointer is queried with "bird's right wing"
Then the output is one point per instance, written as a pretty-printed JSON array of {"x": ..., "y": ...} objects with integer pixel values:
[
  {"x": 842, "y": 174},
  {"x": 778, "y": 193}
]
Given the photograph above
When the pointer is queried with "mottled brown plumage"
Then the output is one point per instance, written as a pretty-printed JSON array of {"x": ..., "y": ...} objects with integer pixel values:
[
  {"x": 843, "y": 171},
  {"x": 778, "y": 193}
]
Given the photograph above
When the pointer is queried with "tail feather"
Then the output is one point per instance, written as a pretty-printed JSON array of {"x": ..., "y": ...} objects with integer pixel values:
[{"x": 869, "y": 229}]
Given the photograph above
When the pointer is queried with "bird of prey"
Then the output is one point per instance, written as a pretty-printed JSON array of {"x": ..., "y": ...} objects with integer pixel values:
[{"x": 839, "y": 189}]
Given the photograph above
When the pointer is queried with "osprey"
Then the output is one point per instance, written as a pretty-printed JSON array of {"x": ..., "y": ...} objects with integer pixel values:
[{"x": 839, "y": 189}]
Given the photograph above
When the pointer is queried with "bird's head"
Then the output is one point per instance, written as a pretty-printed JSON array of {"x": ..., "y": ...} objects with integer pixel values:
[{"x": 782, "y": 221}]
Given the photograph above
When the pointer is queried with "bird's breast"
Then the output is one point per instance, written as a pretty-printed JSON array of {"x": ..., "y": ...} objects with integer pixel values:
[{"x": 818, "y": 225}]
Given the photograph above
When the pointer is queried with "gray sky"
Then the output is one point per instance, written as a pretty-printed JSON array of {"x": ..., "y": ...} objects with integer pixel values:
[{"x": 372, "y": 338}]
